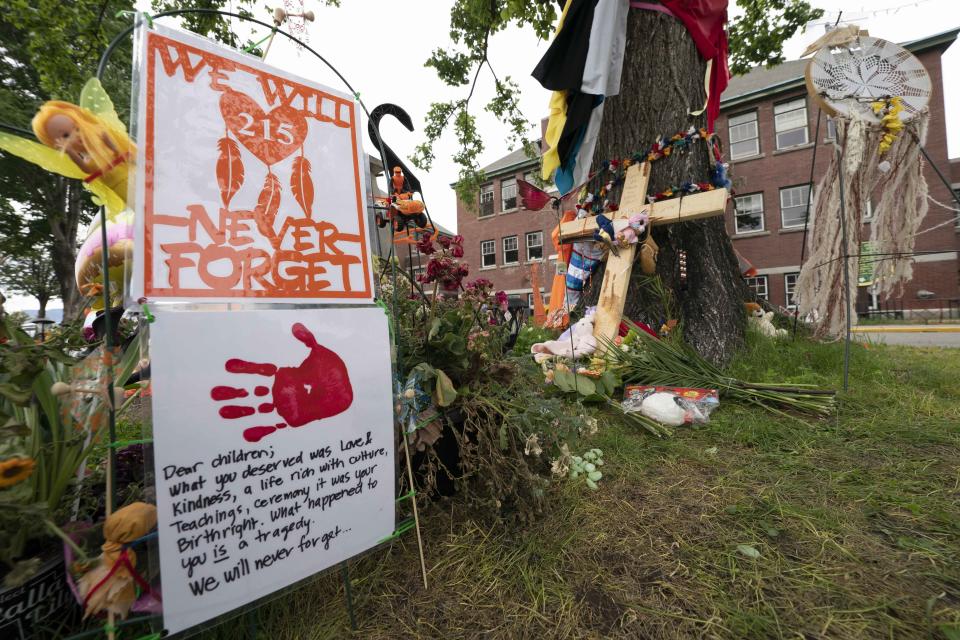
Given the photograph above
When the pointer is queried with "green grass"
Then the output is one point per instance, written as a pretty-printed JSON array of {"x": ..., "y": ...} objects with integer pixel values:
[{"x": 856, "y": 520}]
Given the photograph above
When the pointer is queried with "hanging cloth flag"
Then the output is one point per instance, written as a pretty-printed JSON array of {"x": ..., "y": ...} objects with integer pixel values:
[{"x": 582, "y": 67}]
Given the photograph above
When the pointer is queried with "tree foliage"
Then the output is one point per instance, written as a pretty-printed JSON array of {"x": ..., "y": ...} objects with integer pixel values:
[
  {"x": 31, "y": 273},
  {"x": 757, "y": 37},
  {"x": 48, "y": 50}
]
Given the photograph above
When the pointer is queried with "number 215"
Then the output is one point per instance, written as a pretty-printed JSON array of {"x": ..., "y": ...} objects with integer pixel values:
[{"x": 283, "y": 132}]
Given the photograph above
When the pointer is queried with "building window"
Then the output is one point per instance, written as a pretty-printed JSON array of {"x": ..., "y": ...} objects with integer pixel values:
[
  {"x": 868, "y": 213},
  {"x": 831, "y": 129},
  {"x": 508, "y": 195},
  {"x": 530, "y": 300},
  {"x": 759, "y": 286},
  {"x": 511, "y": 250},
  {"x": 793, "y": 205},
  {"x": 486, "y": 200},
  {"x": 790, "y": 122},
  {"x": 790, "y": 286},
  {"x": 749, "y": 212},
  {"x": 488, "y": 254},
  {"x": 535, "y": 245},
  {"x": 744, "y": 135}
]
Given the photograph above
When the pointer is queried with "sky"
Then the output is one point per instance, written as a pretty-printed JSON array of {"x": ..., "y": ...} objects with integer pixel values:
[{"x": 380, "y": 47}]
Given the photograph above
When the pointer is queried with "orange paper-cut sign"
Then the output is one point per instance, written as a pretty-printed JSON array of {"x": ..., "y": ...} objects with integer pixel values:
[{"x": 251, "y": 184}]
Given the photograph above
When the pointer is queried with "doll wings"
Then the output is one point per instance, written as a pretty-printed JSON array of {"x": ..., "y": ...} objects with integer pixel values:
[{"x": 60, "y": 163}]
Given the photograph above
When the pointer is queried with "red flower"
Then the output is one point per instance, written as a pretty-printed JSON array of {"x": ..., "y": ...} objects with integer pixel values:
[
  {"x": 456, "y": 251},
  {"x": 480, "y": 283},
  {"x": 502, "y": 300},
  {"x": 425, "y": 246},
  {"x": 444, "y": 241},
  {"x": 458, "y": 239}
]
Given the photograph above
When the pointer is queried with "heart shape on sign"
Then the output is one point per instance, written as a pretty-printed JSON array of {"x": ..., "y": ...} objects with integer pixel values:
[{"x": 269, "y": 136}]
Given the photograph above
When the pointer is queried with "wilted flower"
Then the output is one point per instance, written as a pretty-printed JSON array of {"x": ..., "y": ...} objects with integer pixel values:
[
  {"x": 532, "y": 446},
  {"x": 444, "y": 241},
  {"x": 458, "y": 239},
  {"x": 589, "y": 425},
  {"x": 456, "y": 251},
  {"x": 425, "y": 245},
  {"x": 502, "y": 300},
  {"x": 561, "y": 465}
]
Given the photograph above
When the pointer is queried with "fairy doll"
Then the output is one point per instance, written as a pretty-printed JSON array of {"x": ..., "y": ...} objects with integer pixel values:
[
  {"x": 86, "y": 142},
  {"x": 89, "y": 143}
]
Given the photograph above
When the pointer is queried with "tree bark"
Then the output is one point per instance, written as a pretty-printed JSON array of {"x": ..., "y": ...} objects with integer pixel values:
[
  {"x": 63, "y": 227},
  {"x": 662, "y": 82}
]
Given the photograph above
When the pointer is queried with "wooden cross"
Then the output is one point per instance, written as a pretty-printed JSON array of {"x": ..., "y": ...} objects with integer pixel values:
[{"x": 616, "y": 278}]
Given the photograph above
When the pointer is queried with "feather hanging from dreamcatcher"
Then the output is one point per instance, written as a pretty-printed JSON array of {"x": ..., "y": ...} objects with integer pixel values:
[{"x": 877, "y": 94}]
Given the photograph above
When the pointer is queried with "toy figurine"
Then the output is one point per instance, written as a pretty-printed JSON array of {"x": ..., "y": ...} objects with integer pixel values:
[{"x": 86, "y": 142}]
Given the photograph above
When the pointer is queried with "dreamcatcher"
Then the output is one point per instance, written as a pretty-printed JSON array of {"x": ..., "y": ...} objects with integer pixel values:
[{"x": 877, "y": 93}]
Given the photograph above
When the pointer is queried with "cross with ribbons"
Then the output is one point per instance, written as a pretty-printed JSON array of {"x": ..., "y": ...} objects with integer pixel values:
[{"x": 616, "y": 278}]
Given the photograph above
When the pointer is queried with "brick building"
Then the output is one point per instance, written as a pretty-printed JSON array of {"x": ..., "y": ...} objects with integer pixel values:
[
  {"x": 503, "y": 242},
  {"x": 767, "y": 122}
]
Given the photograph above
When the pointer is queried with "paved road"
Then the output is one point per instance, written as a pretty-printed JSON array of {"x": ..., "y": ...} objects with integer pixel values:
[{"x": 940, "y": 335}]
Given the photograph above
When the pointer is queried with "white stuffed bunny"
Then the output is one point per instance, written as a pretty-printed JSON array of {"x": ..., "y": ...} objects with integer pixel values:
[{"x": 583, "y": 343}]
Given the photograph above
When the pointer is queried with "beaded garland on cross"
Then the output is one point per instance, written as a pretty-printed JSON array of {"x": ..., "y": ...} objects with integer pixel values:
[{"x": 595, "y": 201}]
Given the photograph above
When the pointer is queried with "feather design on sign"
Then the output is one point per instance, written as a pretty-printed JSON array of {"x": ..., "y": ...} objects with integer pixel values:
[
  {"x": 301, "y": 183},
  {"x": 268, "y": 204},
  {"x": 229, "y": 169}
]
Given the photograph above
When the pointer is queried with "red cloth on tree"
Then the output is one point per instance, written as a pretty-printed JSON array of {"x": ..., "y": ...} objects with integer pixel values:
[{"x": 704, "y": 20}]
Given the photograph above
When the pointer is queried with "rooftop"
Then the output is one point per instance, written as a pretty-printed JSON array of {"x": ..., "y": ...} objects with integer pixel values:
[
  {"x": 761, "y": 81},
  {"x": 515, "y": 159}
]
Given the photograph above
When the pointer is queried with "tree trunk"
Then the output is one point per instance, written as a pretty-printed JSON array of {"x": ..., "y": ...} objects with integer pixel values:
[
  {"x": 42, "y": 301},
  {"x": 662, "y": 81},
  {"x": 63, "y": 227}
]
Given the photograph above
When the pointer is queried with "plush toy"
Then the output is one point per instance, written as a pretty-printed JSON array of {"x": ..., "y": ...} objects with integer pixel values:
[
  {"x": 86, "y": 142},
  {"x": 89, "y": 265},
  {"x": 762, "y": 322},
  {"x": 575, "y": 342},
  {"x": 111, "y": 585}
]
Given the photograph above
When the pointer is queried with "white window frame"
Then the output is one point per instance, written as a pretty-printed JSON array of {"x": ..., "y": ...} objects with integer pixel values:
[
  {"x": 831, "y": 129},
  {"x": 783, "y": 224},
  {"x": 781, "y": 110},
  {"x": 740, "y": 211},
  {"x": 789, "y": 290},
  {"x": 534, "y": 246},
  {"x": 516, "y": 247},
  {"x": 486, "y": 197},
  {"x": 492, "y": 245},
  {"x": 756, "y": 283},
  {"x": 738, "y": 132},
  {"x": 509, "y": 184}
]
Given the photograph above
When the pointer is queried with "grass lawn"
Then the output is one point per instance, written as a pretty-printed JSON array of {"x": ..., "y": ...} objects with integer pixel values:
[{"x": 856, "y": 521}]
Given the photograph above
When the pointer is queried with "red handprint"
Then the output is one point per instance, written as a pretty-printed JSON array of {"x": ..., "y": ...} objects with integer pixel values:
[{"x": 319, "y": 388}]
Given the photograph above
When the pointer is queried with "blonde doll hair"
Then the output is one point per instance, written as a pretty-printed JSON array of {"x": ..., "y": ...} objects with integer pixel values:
[{"x": 90, "y": 127}]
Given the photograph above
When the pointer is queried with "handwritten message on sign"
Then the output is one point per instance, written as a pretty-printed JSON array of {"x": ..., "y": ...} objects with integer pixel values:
[
  {"x": 273, "y": 450},
  {"x": 249, "y": 180}
]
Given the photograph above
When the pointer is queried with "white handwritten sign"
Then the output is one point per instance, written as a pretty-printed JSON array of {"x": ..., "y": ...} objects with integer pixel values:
[
  {"x": 273, "y": 450},
  {"x": 249, "y": 180}
]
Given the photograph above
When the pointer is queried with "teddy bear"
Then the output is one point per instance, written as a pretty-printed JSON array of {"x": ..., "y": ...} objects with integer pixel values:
[
  {"x": 582, "y": 342},
  {"x": 762, "y": 321}
]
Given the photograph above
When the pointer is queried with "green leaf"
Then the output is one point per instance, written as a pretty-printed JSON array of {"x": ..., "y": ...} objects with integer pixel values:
[
  {"x": 950, "y": 630},
  {"x": 748, "y": 551},
  {"x": 564, "y": 380},
  {"x": 444, "y": 394},
  {"x": 434, "y": 329},
  {"x": 585, "y": 386},
  {"x": 15, "y": 394}
]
